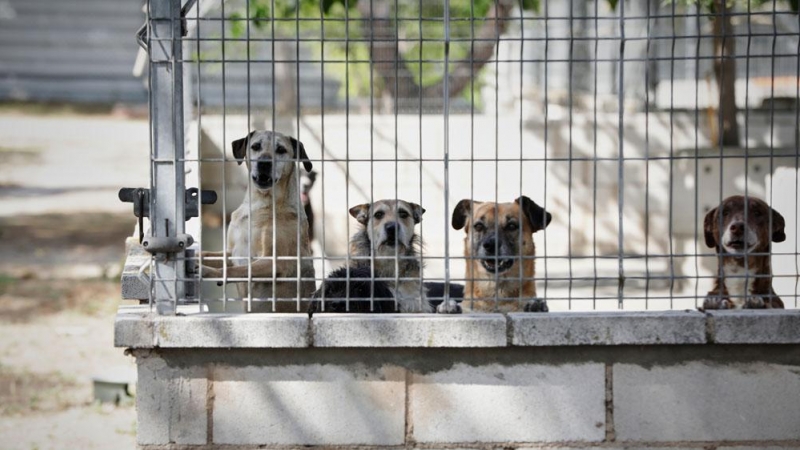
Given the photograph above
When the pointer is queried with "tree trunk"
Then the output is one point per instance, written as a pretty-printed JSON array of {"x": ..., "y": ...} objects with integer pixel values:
[
  {"x": 285, "y": 79},
  {"x": 725, "y": 73},
  {"x": 389, "y": 65}
]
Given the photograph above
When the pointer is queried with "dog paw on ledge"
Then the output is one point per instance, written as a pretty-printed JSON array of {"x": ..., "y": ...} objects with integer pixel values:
[{"x": 536, "y": 305}]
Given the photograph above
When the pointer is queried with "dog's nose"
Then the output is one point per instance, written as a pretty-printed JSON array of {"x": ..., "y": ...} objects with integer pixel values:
[
  {"x": 490, "y": 245},
  {"x": 390, "y": 228},
  {"x": 737, "y": 227}
]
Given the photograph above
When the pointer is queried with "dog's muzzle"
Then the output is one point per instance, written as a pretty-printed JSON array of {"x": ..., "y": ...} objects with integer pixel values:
[
  {"x": 737, "y": 238},
  {"x": 262, "y": 176},
  {"x": 390, "y": 234},
  {"x": 498, "y": 265},
  {"x": 491, "y": 260}
]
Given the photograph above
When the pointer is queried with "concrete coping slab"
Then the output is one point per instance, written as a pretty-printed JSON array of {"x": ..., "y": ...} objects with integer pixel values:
[
  {"x": 409, "y": 330},
  {"x": 764, "y": 326},
  {"x": 140, "y": 327},
  {"x": 607, "y": 328}
]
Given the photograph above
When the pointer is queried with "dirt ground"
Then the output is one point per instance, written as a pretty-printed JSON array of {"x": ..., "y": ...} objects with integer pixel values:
[{"x": 62, "y": 234}]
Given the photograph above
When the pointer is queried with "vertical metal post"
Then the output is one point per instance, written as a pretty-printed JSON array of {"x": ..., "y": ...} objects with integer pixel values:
[{"x": 167, "y": 171}]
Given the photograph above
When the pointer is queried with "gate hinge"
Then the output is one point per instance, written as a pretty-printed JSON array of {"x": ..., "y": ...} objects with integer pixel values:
[{"x": 141, "y": 33}]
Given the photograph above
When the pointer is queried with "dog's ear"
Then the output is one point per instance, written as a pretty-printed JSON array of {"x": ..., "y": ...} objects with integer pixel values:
[
  {"x": 536, "y": 215},
  {"x": 778, "y": 225},
  {"x": 300, "y": 153},
  {"x": 417, "y": 211},
  {"x": 360, "y": 213},
  {"x": 460, "y": 214},
  {"x": 708, "y": 228},
  {"x": 239, "y": 147}
]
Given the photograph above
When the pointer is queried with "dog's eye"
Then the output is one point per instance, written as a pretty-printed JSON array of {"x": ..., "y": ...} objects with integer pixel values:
[
  {"x": 403, "y": 214},
  {"x": 280, "y": 150},
  {"x": 378, "y": 215},
  {"x": 256, "y": 147},
  {"x": 479, "y": 227},
  {"x": 756, "y": 213},
  {"x": 725, "y": 212},
  {"x": 511, "y": 226}
]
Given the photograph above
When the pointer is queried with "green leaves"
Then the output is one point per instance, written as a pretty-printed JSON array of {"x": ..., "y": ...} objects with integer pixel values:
[{"x": 531, "y": 5}]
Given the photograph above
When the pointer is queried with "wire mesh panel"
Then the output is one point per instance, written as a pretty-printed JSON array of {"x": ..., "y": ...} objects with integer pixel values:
[{"x": 410, "y": 156}]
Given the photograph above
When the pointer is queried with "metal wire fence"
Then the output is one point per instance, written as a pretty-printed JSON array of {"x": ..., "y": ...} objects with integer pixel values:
[{"x": 566, "y": 151}]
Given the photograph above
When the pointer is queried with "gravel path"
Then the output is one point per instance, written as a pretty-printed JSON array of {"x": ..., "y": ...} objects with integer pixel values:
[{"x": 62, "y": 233}]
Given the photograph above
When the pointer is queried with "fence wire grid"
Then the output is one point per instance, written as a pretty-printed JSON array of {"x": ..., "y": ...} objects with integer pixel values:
[{"x": 627, "y": 122}]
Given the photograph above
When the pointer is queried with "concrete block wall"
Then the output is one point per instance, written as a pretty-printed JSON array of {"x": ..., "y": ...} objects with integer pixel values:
[{"x": 706, "y": 381}]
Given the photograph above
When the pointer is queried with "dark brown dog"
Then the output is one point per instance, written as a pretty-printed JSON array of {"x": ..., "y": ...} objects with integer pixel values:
[
  {"x": 743, "y": 244},
  {"x": 499, "y": 253}
]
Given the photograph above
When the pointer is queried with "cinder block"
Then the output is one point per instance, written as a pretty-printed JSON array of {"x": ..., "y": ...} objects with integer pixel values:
[
  {"x": 409, "y": 330},
  {"x": 618, "y": 446},
  {"x": 772, "y": 326},
  {"x": 133, "y": 330},
  {"x": 170, "y": 403},
  {"x": 272, "y": 330},
  {"x": 759, "y": 447},
  {"x": 703, "y": 401},
  {"x": 608, "y": 328},
  {"x": 134, "y": 283},
  {"x": 309, "y": 405},
  {"x": 521, "y": 403}
]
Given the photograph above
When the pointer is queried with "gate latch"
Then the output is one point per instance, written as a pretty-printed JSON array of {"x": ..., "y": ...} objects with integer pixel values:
[
  {"x": 140, "y": 197},
  {"x": 167, "y": 244}
]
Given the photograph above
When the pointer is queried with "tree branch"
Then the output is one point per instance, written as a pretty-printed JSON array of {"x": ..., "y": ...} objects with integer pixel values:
[
  {"x": 483, "y": 49},
  {"x": 389, "y": 64},
  {"x": 383, "y": 49}
]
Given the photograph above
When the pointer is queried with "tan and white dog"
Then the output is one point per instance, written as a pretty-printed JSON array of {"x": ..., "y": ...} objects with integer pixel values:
[
  {"x": 741, "y": 239},
  {"x": 270, "y": 221},
  {"x": 386, "y": 238},
  {"x": 499, "y": 253}
]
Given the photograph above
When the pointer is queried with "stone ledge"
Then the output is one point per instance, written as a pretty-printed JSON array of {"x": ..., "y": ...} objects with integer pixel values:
[
  {"x": 768, "y": 326},
  {"x": 607, "y": 328},
  {"x": 139, "y": 327},
  {"x": 136, "y": 327},
  {"x": 409, "y": 330}
]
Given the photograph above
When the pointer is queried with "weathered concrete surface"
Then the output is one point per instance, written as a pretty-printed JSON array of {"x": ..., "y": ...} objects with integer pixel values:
[
  {"x": 309, "y": 405},
  {"x": 621, "y": 397},
  {"x": 135, "y": 277},
  {"x": 706, "y": 401},
  {"x": 496, "y": 403},
  {"x": 170, "y": 403},
  {"x": 409, "y": 330},
  {"x": 608, "y": 328},
  {"x": 773, "y": 326},
  {"x": 133, "y": 328},
  {"x": 422, "y": 380},
  {"x": 651, "y": 446},
  {"x": 235, "y": 331},
  {"x": 137, "y": 327}
]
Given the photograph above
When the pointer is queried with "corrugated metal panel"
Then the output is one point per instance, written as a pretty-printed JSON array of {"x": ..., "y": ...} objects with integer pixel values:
[{"x": 78, "y": 50}]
